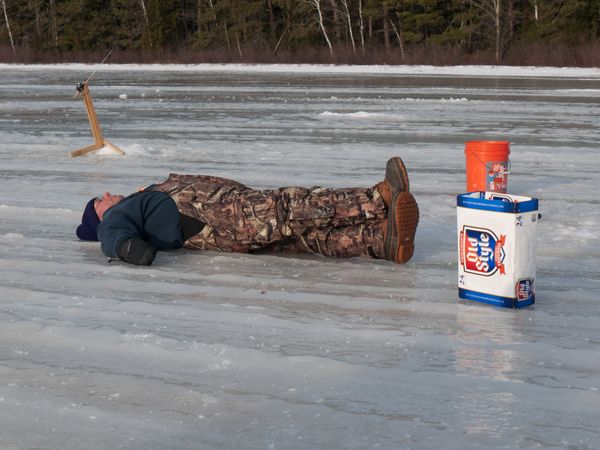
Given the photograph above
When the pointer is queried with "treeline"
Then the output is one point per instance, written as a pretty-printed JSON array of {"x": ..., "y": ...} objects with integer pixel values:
[{"x": 555, "y": 32}]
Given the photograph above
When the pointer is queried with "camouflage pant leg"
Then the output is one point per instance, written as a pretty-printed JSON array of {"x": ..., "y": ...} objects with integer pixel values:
[
  {"x": 342, "y": 242},
  {"x": 321, "y": 207},
  {"x": 241, "y": 219},
  {"x": 250, "y": 220}
]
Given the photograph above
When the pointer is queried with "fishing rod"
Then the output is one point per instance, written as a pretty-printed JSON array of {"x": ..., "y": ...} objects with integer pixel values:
[
  {"x": 99, "y": 140},
  {"x": 81, "y": 85}
]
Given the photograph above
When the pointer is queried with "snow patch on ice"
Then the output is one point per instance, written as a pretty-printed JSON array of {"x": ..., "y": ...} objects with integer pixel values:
[
  {"x": 136, "y": 150},
  {"x": 107, "y": 151},
  {"x": 12, "y": 236},
  {"x": 436, "y": 100},
  {"x": 362, "y": 115},
  {"x": 149, "y": 150}
]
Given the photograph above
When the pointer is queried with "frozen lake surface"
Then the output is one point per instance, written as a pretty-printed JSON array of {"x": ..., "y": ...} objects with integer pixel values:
[{"x": 218, "y": 351}]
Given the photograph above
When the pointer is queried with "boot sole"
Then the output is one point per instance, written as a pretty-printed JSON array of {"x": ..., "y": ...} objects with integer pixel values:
[
  {"x": 403, "y": 219},
  {"x": 396, "y": 175}
]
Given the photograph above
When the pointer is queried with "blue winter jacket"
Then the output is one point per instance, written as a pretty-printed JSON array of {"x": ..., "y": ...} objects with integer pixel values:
[{"x": 151, "y": 216}]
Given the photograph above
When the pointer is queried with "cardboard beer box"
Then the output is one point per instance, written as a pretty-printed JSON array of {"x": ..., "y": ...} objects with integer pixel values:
[{"x": 496, "y": 248}]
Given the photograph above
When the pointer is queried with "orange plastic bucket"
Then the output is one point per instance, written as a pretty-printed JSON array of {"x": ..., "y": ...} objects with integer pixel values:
[{"x": 488, "y": 165}]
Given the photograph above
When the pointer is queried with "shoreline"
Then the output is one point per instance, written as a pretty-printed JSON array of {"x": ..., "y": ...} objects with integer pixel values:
[{"x": 467, "y": 71}]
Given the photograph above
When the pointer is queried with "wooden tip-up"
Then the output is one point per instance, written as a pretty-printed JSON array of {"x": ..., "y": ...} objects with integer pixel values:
[
  {"x": 96, "y": 146},
  {"x": 100, "y": 142}
]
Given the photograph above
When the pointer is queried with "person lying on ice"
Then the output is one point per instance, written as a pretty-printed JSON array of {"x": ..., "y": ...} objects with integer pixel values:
[{"x": 212, "y": 213}]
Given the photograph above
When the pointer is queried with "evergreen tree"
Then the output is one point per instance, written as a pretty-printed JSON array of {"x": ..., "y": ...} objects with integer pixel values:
[
  {"x": 165, "y": 30},
  {"x": 162, "y": 27},
  {"x": 127, "y": 24}
]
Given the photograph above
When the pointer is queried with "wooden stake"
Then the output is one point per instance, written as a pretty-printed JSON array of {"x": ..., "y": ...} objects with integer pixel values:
[{"x": 99, "y": 140}]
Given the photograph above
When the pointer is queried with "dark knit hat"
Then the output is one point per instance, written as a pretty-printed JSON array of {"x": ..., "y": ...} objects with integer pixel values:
[{"x": 87, "y": 231}]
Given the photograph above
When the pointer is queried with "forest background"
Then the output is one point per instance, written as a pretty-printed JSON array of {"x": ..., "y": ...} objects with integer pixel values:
[{"x": 448, "y": 32}]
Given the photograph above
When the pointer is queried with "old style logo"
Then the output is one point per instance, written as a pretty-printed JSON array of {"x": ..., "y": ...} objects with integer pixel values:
[
  {"x": 481, "y": 251},
  {"x": 524, "y": 289}
]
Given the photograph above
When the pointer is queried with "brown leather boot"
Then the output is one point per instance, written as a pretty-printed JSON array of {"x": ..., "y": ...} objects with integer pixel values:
[
  {"x": 386, "y": 192},
  {"x": 396, "y": 180},
  {"x": 400, "y": 228}
]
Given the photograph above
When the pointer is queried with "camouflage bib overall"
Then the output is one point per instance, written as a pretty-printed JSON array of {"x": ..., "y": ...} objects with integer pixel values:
[{"x": 331, "y": 222}]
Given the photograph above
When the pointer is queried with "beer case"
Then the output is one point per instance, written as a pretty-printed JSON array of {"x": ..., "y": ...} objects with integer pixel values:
[{"x": 496, "y": 248}]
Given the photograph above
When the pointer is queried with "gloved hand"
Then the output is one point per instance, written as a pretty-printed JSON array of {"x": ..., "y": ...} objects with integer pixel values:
[{"x": 136, "y": 251}]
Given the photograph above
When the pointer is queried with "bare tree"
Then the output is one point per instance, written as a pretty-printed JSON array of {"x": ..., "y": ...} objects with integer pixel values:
[
  {"x": 147, "y": 22},
  {"x": 226, "y": 34},
  {"x": 280, "y": 41},
  {"x": 493, "y": 10},
  {"x": 536, "y": 11},
  {"x": 361, "y": 26},
  {"x": 399, "y": 36},
  {"x": 144, "y": 11},
  {"x": 317, "y": 5},
  {"x": 349, "y": 20},
  {"x": 237, "y": 40},
  {"x": 12, "y": 43},
  {"x": 212, "y": 9}
]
